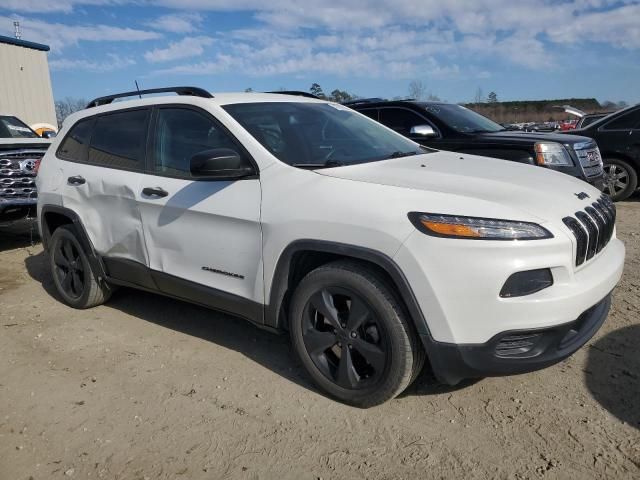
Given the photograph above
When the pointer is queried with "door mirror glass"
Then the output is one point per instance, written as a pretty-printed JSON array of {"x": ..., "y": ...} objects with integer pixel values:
[
  {"x": 423, "y": 131},
  {"x": 219, "y": 163}
]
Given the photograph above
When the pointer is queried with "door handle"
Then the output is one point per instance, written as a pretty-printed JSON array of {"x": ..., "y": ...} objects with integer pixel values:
[
  {"x": 76, "y": 180},
  {"x": 154, "y": 192}
]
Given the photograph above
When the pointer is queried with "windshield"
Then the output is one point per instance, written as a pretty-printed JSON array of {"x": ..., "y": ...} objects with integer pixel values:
[
  {"x": 11, "y": 127},
  {"x": 462, "y": 119},
  {"x": 314, "y": 135}
]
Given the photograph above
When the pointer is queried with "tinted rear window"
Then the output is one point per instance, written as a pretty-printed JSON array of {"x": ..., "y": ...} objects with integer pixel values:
[
  {"x": 628, "y": 121},
  {"x": 74, "y": 146},
  {"x": 119, "y": 140}
]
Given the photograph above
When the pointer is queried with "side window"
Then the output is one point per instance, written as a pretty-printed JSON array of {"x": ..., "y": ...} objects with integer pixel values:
[
  {"x": 74, "y": 146},
  {"x": 119, "y": 140},
  {"x": 372, "y": 113},
  {"x": 400, "y": 120},
  {"x": 628, "y": 121},
  {"x": 180, "y": 134}
]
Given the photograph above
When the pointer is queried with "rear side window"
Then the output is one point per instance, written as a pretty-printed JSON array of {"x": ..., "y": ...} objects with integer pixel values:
[
  {"x": 628, "y": 121},
  {"x": 119, "y": 140},
  {"x": 74, "y": 146},
  {"x": 372, "y": 113}
]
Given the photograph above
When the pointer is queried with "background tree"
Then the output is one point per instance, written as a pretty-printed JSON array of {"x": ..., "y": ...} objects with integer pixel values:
[
  {"x": 316, "y": 90},
  {"x": 492, "y": 97},
  {"x": 66, "y": 107},
  {"x": 248, "y": 90},
  {"x": 340, "y": 96},
  {"x": 432, "y": 98},
  {"x": 417, "y": 90}
]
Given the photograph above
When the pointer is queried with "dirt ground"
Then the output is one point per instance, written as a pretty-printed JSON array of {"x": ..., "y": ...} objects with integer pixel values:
[{"x": 147, "y": 387}]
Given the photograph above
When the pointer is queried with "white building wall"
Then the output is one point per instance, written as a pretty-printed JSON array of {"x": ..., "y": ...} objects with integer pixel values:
[{"x": 25, "y": 85}]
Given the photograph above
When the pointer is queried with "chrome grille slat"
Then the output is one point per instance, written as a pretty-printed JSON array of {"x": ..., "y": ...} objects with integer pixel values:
[
  {"x": 589, "y": 158},
  {"x": 17, "y": 182},
  {"x": 592, "y": 228}
]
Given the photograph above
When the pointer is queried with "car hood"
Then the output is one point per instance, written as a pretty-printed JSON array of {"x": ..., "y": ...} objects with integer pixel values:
[
  {"x": 518, "y": 136},
  {"x": 510, "y": 187},
  {"x": 11, "y": 143}
]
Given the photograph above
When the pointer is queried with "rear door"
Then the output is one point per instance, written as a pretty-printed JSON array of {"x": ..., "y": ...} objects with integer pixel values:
[
  {"x": 203, "y": 236},
  {"x": 102, "y": 167},
  {"x": 621, "y": 135}
]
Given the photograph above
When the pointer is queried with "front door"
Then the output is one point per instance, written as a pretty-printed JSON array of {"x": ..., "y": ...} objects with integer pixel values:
[{"x": 203, "y": 236}]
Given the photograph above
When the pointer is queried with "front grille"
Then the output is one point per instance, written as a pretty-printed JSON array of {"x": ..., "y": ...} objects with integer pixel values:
[
  {"x": 592, "y": 228},
  {"x": 17, "y": 174},
  {"x": 590, "y": 159}
]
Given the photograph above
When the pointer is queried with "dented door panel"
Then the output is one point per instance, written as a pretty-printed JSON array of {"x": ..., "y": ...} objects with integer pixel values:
[{"x": 107, "y": 204}]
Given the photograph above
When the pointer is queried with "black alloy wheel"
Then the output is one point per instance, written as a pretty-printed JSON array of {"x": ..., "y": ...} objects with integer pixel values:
[
  {"x": 69, "y": 268},
  {"x": 352, "y": 334},
  {"x": 73, "y": 276},
  {"x": 344, "y": 339}
]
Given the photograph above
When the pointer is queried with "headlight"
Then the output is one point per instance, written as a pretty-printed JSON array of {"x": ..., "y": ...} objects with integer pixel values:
[
  {"x": 552, "y": 154},
  {"x": 474, "y": 228}
]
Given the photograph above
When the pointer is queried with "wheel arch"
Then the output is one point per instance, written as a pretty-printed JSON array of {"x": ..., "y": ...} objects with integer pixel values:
[
  {"x": 302, "y": 256},
  {"x": 53, "y": 217},
  {"x": 634, "y": 162}
]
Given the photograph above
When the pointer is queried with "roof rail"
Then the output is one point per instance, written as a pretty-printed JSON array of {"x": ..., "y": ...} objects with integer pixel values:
[
  {"x": 364, "y": 100},
  {"x": 297, "y": 93},
  {"x": 193, "y": 91}
]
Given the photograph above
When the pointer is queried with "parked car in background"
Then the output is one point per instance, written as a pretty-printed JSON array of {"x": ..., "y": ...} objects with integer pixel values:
[
  {"x": 453, "y": 127},
  {"x": 21, "y": 150},
  {"x": 618, "y": 136},
  {"x": 374, "y": 252}
]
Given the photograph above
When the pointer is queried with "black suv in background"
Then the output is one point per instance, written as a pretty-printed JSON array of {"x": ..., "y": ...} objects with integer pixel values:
[
  {"x": 618, "y": 136},
  {"x": 447, "y": 126}
]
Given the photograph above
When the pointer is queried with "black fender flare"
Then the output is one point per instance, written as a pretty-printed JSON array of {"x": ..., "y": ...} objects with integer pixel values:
[{"x": 281, "y": 279}]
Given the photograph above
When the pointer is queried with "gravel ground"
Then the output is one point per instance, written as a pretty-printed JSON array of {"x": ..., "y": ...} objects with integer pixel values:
[{"x": 147, "y": 387}]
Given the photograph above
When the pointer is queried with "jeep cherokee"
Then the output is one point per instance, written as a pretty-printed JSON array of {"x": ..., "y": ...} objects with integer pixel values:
[{"x": 298, "y": 214}]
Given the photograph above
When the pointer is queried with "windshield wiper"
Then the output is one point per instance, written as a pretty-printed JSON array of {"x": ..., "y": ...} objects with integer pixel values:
[
  {"x": 402, "y": 154},
  {"x": 327, "y": 164}
]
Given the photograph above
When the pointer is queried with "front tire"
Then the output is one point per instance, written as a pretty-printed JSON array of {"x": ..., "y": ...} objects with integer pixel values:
[
  {"x": 352, "y": 336},
  {"x": 620, "y": 179},
  {"x": 75, "y": 281}
]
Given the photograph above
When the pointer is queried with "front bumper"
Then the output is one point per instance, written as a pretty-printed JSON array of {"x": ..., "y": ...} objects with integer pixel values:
[
  {"x": 17, "y": 209},
  {"x": 516, "y": 351}
]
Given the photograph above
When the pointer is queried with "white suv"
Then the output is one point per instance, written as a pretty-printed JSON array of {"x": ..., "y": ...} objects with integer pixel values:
[{"x": 303, "y": 215}]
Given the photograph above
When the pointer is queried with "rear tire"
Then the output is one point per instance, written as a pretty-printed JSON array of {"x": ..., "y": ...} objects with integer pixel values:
[
  {"x": 620, "y": 179},
  {"x": 352, "y": 336},
  {"x": 75, "y": 280}
]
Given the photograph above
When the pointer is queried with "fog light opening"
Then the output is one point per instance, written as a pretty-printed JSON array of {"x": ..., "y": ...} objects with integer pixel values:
[{"x": 525, "y": 283}]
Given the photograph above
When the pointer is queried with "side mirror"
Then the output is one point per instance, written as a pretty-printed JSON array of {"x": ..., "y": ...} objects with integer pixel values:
[
  {"x": 426, "y": 131},
  {"x": 219, "y": 163}
]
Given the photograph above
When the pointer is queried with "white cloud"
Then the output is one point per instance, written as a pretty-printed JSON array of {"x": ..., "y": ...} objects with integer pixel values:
[
  {"x": 61, "y": 35},
  {"x": 185, "y": 48},
  {"x": 177, "y": 23},
  {"x": 113, "y": 62}
]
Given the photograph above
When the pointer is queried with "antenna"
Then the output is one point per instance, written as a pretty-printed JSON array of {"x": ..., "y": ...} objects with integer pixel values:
[
  {"x": 138, "y": 89},
  {"x": 17, "y": 32}
]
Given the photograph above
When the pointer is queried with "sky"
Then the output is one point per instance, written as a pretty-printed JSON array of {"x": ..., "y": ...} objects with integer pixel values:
[{"x": 520, "y": 49}]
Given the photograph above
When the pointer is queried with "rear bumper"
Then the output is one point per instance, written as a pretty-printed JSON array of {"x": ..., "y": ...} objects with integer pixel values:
[{"x": 516, "y": 351}]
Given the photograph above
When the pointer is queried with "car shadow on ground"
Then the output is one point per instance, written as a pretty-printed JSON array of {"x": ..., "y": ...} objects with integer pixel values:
[
  {"x": 612, "y": 374},
  {"x": 18, "y": 235},
  {"x": 270, "y": 350}
]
